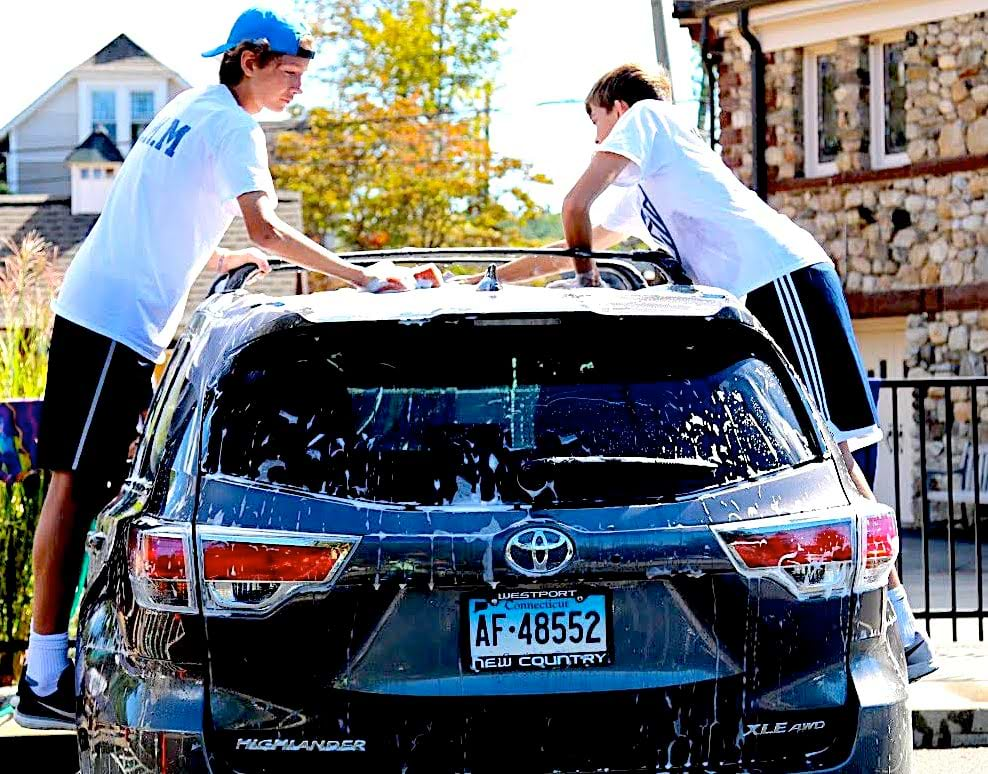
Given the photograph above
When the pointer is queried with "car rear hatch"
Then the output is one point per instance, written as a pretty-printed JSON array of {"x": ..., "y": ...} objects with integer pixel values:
[{"x": 547, "y": 543}]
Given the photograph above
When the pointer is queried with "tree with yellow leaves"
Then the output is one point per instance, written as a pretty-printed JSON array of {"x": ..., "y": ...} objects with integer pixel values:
[{"x": 403, "y": 157}]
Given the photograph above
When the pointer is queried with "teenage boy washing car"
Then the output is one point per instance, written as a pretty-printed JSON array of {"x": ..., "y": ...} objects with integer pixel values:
[
  {"x": 200, "y": 162},
  {"x": 682, "y": 197}
]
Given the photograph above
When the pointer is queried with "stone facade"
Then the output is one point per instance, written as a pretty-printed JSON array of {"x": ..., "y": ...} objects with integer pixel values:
[{"x": 890, "y": 231}]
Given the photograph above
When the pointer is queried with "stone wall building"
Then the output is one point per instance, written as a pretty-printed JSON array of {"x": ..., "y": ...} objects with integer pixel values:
[{"x": 876, "y": 141}]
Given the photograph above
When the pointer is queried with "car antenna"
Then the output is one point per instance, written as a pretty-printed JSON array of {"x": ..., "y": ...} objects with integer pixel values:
[{"x": 490, "y": 282}]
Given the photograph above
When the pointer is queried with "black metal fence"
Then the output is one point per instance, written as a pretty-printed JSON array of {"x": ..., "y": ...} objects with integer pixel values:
[{"x": 938, "y": 464}]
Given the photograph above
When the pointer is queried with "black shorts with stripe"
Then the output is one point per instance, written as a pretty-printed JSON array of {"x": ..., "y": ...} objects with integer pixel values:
[
  {"x": 807, "y": 315},
  {"x": 96, "y": 391}
]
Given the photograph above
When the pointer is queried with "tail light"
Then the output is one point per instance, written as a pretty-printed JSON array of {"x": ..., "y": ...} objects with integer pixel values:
[
  {"x": 241, "y": 570},
  {"x": 818, "y": 555},
  {"x": 881, "y": 548},
  {"x": 810, "y": 557},
  {"x": 161, "y": 568},
  {"x": 253, "y": 571}
]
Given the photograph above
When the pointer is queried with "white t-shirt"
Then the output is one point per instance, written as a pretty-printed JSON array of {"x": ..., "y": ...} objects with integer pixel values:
[
  {"x": 174, "y": 198},
  {"x": 684, "y": 199}
]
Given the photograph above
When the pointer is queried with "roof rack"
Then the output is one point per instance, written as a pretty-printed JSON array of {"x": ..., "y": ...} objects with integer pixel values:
[{"x": 618, "y": 269}]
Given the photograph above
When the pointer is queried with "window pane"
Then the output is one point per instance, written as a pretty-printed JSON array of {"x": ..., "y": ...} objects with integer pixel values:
[
  {"x": 105, "y": 112},
  {"x": 541, "y": 416},
  {"x": 895, "y": 97},
  {"x": 828, "y": 143},
  {"x": 142, "y": 105},
  {"x": 141, "y": 112}
]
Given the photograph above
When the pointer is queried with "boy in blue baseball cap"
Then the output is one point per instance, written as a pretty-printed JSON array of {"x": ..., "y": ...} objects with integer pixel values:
[{"x": 198, "y": 164}]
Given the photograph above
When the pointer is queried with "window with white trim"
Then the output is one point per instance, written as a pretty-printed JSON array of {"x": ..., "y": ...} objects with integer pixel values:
[
  {"x": 141, "y": 112},
  {"x": 888, "y": 100},
  {"x": 105, "y": 112},
  {"x": 821, "y": 141}
]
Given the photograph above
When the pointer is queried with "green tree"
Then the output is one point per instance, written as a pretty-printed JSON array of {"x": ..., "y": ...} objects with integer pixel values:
[{"x": 402, "y": 156}]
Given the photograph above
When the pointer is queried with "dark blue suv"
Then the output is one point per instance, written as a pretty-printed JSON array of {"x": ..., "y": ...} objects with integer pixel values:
[{"x": 525, "y": 530}]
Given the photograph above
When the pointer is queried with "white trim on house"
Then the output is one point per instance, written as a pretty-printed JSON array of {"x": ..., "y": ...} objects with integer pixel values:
[
  {"x": 807, "y": 22},
  {"x": 876, "y": 65},
  {"x": 154, "y": 68},
  {"x": 811, "y": 120},
  {"x": 13, "y": 162}
]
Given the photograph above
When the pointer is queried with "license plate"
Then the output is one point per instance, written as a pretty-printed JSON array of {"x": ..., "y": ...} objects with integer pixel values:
[{"x": 534, "y": 630}]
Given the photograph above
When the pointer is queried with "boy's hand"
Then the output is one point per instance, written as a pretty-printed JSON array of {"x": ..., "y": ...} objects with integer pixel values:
[
  {"x": 234, "y": 258},
  {"x": 392, "y": 280}
]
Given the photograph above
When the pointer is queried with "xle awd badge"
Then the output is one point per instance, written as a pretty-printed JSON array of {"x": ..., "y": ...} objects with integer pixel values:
[{"x": 539, "y": 551}]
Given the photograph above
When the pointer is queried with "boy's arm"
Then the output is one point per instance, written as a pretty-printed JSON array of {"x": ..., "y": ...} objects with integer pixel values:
[
  {"x": 603, "y": 170},
  {"x": 534, "y": 266},
  {"x": 272, "y": 234},
  {"x": 223, "y": 260}
]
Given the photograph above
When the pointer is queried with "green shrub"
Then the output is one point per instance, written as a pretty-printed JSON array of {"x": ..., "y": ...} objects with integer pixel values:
[{"x": 20, "y": 507}]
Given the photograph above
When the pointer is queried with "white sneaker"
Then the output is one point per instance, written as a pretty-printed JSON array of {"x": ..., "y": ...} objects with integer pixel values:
[{"x": 920, "y": 658}]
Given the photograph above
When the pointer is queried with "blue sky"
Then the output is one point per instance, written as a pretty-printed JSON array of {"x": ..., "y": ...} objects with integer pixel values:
[{"x": 554, "y": 51}]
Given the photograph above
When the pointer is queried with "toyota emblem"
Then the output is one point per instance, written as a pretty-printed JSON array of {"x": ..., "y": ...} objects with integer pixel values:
[{"x": 538, "y": 551}]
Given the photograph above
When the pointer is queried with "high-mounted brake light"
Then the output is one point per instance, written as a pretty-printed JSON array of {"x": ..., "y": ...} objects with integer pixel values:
[
  {"x": 241, "y": 570},
  {"x": 811, "y": 557}
]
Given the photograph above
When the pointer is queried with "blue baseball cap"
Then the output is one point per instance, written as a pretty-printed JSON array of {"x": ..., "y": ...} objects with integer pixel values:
[{"x": 259, "y": 25}]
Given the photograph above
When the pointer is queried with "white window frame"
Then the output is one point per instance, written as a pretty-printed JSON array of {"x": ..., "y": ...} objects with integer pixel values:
[
  {"x": 156, "y": 105},
  {"x": 876, "y": 64},
  {"x": 13, "y": 163},
  {"x": 122, "y": 87},
  {"x": 811, "y": 147}
]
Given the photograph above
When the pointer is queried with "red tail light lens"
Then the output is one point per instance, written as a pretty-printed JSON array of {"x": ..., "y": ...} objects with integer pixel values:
[
  {"x": 824, "y": 543},
  {"x": 269, "y": 563},
  {"x": 253, "y": 571},
  {"x": 159, "y": 568},
  {"x": 881, "y": 542},
  {"x": 810, "y": 557}
]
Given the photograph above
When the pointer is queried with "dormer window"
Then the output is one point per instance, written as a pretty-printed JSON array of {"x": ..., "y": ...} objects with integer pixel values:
[
  {"x": 141, "y": 112},
  {"x": 105, "y": 112}
]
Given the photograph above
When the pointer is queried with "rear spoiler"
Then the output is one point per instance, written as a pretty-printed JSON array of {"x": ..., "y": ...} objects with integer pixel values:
[{"x": 619, "y": 270}]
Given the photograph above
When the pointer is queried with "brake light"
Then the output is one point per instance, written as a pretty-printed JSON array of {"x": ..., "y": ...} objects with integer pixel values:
[
  {"x": 811, "y": 557},
  {"x": 816, "y": 555},
  {"x": 260, "y": 562},
  {"x": 159, "y": 568},
  {"x": 253, "y": 571},
  {"x": 881, "y": 542},
  {"x": 245, "y": 570},
  {"x": 824, "y": 543}
]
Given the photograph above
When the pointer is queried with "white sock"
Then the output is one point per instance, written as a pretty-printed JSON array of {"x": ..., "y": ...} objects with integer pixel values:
[
  {"x": 47, "y": 657},
  {"x": 903, "y": 614}
]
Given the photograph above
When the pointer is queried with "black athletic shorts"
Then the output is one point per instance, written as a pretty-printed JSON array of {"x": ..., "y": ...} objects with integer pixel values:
[
  {"x": 807, "y": 315},
  {"x": 96, "y": 391}
]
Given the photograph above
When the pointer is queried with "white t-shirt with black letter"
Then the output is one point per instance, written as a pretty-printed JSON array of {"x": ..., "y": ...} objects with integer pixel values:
[
  {"x": 174, "y": 197},
  {"x": 684, "y": 199}
]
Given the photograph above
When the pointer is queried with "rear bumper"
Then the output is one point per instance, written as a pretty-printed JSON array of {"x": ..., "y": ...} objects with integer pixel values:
[
  {"x": 104, "y": 746},
  {"x": 147, "y": 716}
]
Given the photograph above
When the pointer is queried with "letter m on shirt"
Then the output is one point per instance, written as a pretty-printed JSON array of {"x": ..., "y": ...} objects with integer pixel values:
[{"x": 171, "y": 137}]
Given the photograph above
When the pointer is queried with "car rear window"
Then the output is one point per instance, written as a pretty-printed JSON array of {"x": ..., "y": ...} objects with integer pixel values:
[{"x": 472, "y": 412}]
